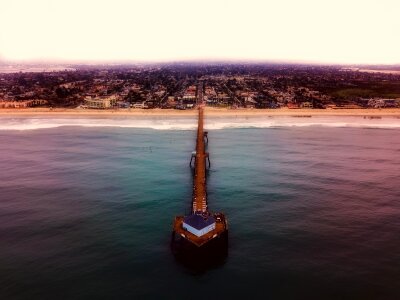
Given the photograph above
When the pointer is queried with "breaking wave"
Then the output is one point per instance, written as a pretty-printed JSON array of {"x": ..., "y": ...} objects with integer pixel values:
[{"x": 211, "y": 123}]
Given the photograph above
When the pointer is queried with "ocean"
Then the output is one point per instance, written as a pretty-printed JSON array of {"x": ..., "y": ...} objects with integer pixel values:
[{"x": 313, "y": 205}]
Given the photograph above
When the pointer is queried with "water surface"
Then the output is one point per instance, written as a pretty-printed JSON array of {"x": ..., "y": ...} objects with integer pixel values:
[{"x": 314, "y": 213}]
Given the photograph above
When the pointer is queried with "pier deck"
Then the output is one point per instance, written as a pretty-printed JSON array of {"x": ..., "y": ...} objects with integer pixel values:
[
  {"x": 199, "y": 198},
  {"x": 199, "y": 184}
]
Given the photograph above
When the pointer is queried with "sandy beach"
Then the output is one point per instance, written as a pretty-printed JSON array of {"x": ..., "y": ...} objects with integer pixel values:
[{"x": 223, "y": 112}]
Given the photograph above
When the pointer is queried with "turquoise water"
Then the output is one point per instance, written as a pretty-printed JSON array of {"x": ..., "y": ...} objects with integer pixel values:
[{"x": 314, "y": 213}]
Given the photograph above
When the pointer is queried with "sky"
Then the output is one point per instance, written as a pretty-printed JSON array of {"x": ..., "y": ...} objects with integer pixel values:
[{"x": 316, "y": 31}]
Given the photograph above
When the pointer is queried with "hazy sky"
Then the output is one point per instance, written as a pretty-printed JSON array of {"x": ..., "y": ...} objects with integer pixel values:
[{"x": 337, "y": 31}]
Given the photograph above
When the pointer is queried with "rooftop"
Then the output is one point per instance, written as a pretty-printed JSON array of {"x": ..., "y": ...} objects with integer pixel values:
[{"x": 198, "y": 221}]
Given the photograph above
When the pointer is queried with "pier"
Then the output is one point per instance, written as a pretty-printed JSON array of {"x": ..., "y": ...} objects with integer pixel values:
[{"x": 201, "y": 226}]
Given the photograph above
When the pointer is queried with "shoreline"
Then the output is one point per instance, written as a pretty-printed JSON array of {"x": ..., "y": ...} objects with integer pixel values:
[{"x": 216, "y": 112}]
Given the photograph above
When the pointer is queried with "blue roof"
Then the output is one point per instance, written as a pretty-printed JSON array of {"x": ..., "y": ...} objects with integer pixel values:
[{"x": 198, "y": 221}]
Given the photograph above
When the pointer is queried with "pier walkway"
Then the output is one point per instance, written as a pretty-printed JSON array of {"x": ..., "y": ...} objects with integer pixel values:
[
  {"x": 199, "y": 185},
  {"x": 201, "y": 226}
]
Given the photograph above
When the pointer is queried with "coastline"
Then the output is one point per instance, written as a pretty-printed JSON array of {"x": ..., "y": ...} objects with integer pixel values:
[{"x": 217, "y": 112}]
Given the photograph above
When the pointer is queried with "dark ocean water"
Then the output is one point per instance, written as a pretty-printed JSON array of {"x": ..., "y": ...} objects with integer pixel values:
[{"x": 86, "y": 213}]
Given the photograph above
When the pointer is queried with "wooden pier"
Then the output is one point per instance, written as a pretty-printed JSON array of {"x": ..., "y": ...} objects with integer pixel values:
[{"x": 201, "y": 226}]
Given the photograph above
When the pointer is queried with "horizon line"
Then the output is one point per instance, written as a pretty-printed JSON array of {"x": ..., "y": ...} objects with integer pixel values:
[{"x": 6, "y": 61}]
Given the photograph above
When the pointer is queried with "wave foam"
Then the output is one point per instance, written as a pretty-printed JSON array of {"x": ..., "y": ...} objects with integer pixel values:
[{"x": 211, "y": 123}]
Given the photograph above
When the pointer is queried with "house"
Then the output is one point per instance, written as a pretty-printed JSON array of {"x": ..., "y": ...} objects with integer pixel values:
[
  {"x": 293, "y": 105},
  {"x": 140, "y": 105},
  {"x": 249, "y": 102},
  {"x": 306, "y": 104}
]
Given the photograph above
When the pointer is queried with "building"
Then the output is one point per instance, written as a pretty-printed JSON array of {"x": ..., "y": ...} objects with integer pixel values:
[
  {"x": 100, "y": 103},
  {"x": 249, "y": 102},
  {"x": 123, "y": 104},
  {"x": 306, "y": 104},
  {"x": 293, "y": 105},
  {"x": 22, "y": 104},
  {"x": 380, "y": 102},
  {"x": 198, "y": 224},
  {"x": 140, "y": 105},
  {"x": 190, "y": 94}
]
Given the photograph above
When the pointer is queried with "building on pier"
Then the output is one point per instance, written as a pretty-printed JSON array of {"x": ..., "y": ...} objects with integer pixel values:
[{"x": 198, "y": 224}]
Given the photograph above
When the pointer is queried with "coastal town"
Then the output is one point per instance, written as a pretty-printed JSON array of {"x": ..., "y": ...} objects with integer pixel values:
[{"x": 224, "y": 85}]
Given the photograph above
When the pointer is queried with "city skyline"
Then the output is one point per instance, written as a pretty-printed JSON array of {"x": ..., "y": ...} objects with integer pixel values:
[{"x": 356, "y": 32}]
